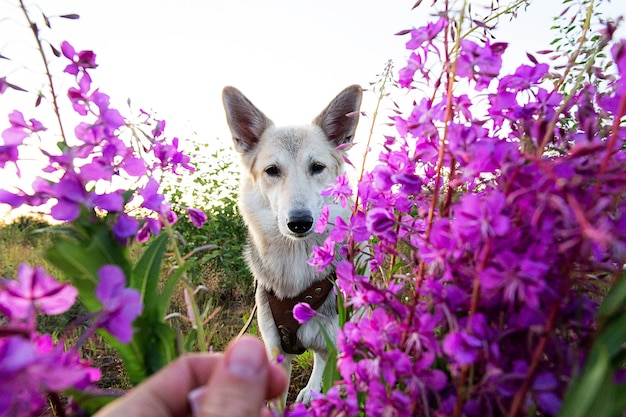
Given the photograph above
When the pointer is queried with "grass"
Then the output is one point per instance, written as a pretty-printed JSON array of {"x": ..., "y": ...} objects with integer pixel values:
[{"x": 23, "y": 241}]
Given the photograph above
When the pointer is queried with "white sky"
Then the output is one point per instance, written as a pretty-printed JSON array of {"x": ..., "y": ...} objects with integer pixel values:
[{"x": 290, "y": 57}]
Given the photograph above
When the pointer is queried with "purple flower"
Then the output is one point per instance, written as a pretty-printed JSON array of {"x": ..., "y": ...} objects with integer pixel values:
[
  {"x": 70, "y": 193},
  {"x": 32, "y": 369},
  {"x": 152, "y": 200},
  {"x": 462, "y": 347},
  {"x": 35, "y": 291},
  {"x": 8, "y": 154},
  {"x": 80, "y": 61},
  {"x": 480, "y": 64},
  {"x": 112, "y": 202},
  {"x": 150, "y": 226},
  {"x": 169, "y": 155},
  {"x": 518, "y": 278},
  {"x": 525, "y": 76},
  {"x": 120, "y": 305},
  {"x": 303, "y": 312},
  {"x": 381, "y": 222},
  {"x": 407, "y": 73},
  {"x": 426, "y": 33},
  {"x": 197, "y": 217},
  {"x": 125, "y": 227},
  {"x": 322, "y": 222},
  {"x": 20, "y": 129},
  {"x": 323, "y": 255},
  {"x": 482, "y": 216},
  {"x": 340, "y": 190}
]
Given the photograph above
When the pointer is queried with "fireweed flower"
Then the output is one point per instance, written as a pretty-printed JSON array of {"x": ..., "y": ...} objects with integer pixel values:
[
  {"x": 510, "y": 235},
  {"x": 324, "y": 255},
  {"x": 381, "y": 222},
  {"x": 120, "y": 305},
  {"x": 125, "y": 228},
  {"x": 480, "y": 64},
  {"x": 322, "y": 222},
  {"x": 80, "y": 60},
  {"x": 33, "y": 292},
  {"x": 150, "y": 227},
  {"x": 340, "y": 190},
  {"x": 197, "y": 217},
  {"x": 23, "y": 361},
  {"x": 20, "y": 129},
  {"x": 168, "y": 154},
  {"x": 303, "y": 312}
]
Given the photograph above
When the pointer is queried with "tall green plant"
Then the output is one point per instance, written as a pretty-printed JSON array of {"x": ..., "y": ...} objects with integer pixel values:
[{"x": 214, "y": 187}]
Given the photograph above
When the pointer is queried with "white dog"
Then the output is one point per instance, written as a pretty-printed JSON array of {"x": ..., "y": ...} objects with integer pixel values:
[{"x": 284, "y": 171}]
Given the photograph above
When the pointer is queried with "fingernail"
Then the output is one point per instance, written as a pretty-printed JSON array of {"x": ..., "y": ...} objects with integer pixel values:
[
  {"x": 195, "y": 400},
  {"x": 246, "y": 358}
]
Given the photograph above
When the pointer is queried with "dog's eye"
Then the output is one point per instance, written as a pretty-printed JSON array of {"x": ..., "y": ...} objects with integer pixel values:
[
  {"x": 272, "y": 171},
  {"x": 316, "y": 168}
]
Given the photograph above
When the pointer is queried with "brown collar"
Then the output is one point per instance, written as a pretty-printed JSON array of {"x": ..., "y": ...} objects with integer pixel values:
[{"x": 282, "y": 311}]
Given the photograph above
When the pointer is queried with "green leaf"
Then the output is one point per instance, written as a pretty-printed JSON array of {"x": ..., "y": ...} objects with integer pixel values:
[
  {"x": 580, "y": 398},
  {"x": 90, "y": 402},
  {"x": 616, "y": 298},
  {"x": 163, "y": 300},
  {"x": 152, "y": 347},
  {"x": 613, "y": 335},
  {"x": 147, "y": 273},
  {"x": 131, "y": 355},
  {"x": 331, "y": 373},
  {"x": 158, "y": 343},
  {"x": 79, "y": 264},
  {"x": 341, "y": 308}
]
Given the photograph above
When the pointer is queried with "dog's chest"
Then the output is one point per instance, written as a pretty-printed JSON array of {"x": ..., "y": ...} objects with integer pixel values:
[{"x": 282, "y": 267}]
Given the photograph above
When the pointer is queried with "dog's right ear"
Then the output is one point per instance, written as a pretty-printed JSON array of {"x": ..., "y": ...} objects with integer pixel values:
[
  {"x": 246, "y": 122},
  {"x": 340, "y": 118}
]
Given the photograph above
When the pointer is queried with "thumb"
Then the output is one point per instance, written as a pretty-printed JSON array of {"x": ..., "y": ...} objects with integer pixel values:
[{"x": 239, "y": 385}]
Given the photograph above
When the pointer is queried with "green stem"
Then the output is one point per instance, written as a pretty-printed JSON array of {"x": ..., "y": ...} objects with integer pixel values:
[
  {"x": 507, "y": 10},
  {"x": 570, "y": 65},
  {"x": 189, "y": 291}
]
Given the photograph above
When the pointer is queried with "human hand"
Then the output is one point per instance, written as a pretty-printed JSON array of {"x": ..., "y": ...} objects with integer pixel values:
[{"x": 233, "y": 384}]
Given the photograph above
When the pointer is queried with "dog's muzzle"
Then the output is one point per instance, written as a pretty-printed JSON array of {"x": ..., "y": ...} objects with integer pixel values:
[{"x": 300, "y": 222}]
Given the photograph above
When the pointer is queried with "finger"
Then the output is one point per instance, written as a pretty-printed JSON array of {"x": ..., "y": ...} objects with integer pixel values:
[
  {"x": 277, "y": 381},
  {"x": 165, "y": 393},
  {"x": 242, "y": 382}
]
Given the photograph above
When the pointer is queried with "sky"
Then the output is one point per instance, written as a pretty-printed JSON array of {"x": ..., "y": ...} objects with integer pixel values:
[{"x": 290, "y": 57}]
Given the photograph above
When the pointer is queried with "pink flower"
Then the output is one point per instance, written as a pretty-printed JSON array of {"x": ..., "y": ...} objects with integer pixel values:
[
  {"x": 20, "y": 129},
  {"x": 80, "y": 61},
  {"x": 35, "y": 291},
  {"x": 322, "y": 222},
  {"x": 197, "y": 217},
  {"x": 120, "y": 305},
  {"x": 323, "y": 255},
  {"x": 340, "y": 190},
  {"x": 303, "y": 312},
  {"x": 480, "y": 63}
]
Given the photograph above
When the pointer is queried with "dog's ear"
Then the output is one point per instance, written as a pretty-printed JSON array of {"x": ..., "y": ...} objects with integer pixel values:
[
  {"x": 339, "y": 119},
  {"x": 246, "y": 122}
]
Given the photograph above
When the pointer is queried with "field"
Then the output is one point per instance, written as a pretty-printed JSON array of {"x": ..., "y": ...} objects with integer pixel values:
[{"x": 228, "y": 298}]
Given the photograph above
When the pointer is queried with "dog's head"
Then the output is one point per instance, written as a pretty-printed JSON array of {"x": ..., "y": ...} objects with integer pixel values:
[{"x": 290, "y": 166}]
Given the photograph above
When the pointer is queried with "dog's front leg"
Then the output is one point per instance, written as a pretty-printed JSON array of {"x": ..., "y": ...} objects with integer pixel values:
[
  {"x": 315, "y": 380},
  {"x": 270, "y": 336}
]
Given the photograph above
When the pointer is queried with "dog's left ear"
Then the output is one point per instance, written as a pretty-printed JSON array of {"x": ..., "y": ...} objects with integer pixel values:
[{"x": 339, "y": 119}]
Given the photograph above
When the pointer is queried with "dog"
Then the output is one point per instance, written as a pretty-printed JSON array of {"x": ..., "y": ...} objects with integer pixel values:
[{"x": 284, "y": 170}]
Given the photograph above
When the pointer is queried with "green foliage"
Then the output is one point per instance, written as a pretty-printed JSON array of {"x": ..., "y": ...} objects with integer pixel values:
[
  {"x": 81, "y": 254},
  {"x": 23, "y": 241},
  {"x": 595, "y": 391},
  {"x": 213, "y": 187}
]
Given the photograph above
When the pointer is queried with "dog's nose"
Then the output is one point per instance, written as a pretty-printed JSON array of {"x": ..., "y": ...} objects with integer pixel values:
[{"x": 300, "y": 221}]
